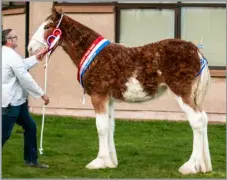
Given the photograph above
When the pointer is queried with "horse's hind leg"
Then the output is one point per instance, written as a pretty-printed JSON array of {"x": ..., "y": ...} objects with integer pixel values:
[
  {"x": 200, "y": 160},
  {"x": 101, "y": 106},
  {"x": 200, "y": 157}
]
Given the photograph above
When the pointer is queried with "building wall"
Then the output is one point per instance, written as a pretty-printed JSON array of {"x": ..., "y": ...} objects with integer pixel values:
[
  {"x": 17, "y": 23},
  {"x": 66, "y": 94}
]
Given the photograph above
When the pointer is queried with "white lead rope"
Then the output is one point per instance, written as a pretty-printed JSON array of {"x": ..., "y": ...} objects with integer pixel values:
[
  {"x": 45, "y": 83},
  {"x": 44, "y": 106},
  {"x": 45, "y": 87}
]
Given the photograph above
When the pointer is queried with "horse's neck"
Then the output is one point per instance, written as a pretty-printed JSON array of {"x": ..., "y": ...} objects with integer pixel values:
[
  {"x": 77, "y": 41},
  {"x": 72, "y": 53}
]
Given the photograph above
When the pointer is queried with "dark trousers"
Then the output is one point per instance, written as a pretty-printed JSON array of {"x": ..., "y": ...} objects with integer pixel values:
[{"x": 21, "y": 116}]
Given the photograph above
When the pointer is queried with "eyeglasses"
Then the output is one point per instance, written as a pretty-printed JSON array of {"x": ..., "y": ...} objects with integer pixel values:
[
  {"x": 12, "y": 37},
  {"x": 54, "y": 36}
]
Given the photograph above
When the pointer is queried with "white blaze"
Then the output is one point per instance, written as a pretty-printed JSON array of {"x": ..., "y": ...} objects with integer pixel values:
[{"x": 37, "y": 41}]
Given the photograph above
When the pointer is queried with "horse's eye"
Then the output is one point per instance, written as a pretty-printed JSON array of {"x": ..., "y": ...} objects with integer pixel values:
[{"x": 46, "y": 27}]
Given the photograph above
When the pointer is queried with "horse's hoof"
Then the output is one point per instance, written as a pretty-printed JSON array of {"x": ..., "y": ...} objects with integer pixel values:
[
  {"x": 100, "y": 163},
  {"x": 187, "y": 168},
  {"x": 113, "y": 157},
  {"x": 193, "y": 167}
]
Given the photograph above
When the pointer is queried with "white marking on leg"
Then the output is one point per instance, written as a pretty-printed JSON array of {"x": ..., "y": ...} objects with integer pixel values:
[
  {"x": 112, "y": 148},
  {"x": 102, "y": 127},
  {"x": 103, "y": 159},
  {"x": 198, "y": 159},
  {"x": 206, "y": 154}
]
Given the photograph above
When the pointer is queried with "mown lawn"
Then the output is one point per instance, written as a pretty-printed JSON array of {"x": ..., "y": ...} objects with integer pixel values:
[{"x": 154, "y": 149}]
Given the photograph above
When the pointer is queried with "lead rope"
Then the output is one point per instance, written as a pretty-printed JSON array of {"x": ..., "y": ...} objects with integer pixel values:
[
  {"x": 44, "y": 106},
  {"x": 45, "y": 84}
]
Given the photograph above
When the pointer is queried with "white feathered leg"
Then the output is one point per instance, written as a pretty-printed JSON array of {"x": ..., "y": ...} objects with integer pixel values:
[
  {"x": 200, "y": 157},
  {"x": 112, "y": 148},
  {"x": 206, "y": 150},
  {"x": 103, "y": 159}
]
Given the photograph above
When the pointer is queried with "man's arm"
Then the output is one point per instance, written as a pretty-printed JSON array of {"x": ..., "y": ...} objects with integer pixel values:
[
  {"x": 26, "y": 79},
  {"x": 30, "y": 62},
  {"x": 33, "y": 60}
]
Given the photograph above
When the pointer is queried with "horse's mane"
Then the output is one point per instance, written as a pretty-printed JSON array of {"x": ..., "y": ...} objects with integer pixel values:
[{"x": 69, "y": 23}]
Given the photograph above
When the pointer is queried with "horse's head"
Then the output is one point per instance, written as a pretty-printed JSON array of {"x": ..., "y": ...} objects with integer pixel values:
[{"x": 46, "y": 32}]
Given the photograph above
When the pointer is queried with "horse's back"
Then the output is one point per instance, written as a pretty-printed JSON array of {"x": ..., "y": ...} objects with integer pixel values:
[
  {"x": 169, "y": 63},
  {"x": 136, "y": 74}
]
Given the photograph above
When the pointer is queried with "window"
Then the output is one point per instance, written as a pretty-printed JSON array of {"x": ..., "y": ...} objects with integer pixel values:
[
  {"x": 208, "y": 24},
  {"x": 12, "y": 8},
  {"x": 142, "y": 23},
  {"x": 141, "y": 26},
  {"x": 11, "y": 5}
]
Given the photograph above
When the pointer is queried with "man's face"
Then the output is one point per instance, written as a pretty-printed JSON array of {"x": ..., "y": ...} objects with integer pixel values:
[{"x": 12, "y": 39}]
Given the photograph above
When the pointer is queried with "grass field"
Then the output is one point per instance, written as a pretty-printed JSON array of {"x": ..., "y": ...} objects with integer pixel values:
[{"x": 153, "y": 149}]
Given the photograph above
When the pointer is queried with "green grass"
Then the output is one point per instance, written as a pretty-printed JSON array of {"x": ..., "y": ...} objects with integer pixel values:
[{"x": 154, "y": 149}]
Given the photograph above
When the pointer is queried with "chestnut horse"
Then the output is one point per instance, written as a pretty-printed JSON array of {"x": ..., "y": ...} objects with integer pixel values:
[{"x": 111, "y": 72}]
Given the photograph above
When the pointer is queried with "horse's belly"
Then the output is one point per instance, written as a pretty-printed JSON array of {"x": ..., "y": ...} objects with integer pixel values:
[{"x": 136, "y": 93}]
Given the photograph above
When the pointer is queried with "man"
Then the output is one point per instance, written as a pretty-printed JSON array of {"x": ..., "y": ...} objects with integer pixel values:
[{"x": 17, "y": 83}]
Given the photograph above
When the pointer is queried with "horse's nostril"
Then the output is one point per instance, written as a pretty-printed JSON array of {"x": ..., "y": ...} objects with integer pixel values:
[{"x": 30, "y": 49}]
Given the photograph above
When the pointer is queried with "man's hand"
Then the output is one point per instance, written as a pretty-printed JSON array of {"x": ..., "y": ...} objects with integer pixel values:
[
  {"x": 39, "y": 55},
  {"x": 46, "y": 99}
]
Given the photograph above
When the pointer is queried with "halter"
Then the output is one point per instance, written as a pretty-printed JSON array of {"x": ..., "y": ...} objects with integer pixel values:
[{"x": 53, "y": 38}]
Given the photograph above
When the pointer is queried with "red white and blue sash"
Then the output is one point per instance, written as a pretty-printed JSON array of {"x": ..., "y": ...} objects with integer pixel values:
[{"x": 89, "y": 55}]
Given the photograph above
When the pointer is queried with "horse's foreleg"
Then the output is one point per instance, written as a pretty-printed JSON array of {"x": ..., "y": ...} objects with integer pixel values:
[
  {"x": 101, "y": 106},
  {"x": 112, "y": 148}
]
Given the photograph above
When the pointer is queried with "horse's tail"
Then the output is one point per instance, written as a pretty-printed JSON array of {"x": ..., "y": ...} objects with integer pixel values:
[{"x": 204, "y": 81}]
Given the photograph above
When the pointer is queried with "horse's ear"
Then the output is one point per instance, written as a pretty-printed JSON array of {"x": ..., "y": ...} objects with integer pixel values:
[{"x": 55, "y": 12}]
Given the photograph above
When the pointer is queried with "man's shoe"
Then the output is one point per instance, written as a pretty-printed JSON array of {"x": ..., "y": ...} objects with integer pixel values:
[{"x": 37, "y": 165}]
